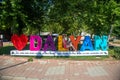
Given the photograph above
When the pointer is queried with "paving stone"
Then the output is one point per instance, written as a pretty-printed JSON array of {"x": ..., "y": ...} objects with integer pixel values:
[
  {"x": 18, "y": 78},
  {"x": 40, "y": 70},
  {"x": 43, "y": 62},
  {"x": 29, "y": 69},
  {"x": 96, "y": 71},
  {"x": 76, "y": 74},
  {"x": 63, "y": 63},
  {"x": 7, "y": 62},
  {"x": 56, "y": 70},
  {"x": 53, "y": 69},
  {"x": 6, "y": 78},
  {"x": 46, "y": 79},
  {"x": 31, "y": 79}
]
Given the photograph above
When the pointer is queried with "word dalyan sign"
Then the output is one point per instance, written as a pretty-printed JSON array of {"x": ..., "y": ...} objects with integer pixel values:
[
  {"x": 97, "y": 44},
  {"x": 100, "y": 43}
]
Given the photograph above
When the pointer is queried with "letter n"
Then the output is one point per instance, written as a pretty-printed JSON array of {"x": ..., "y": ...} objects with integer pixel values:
[{"x": 100, "y": 42}]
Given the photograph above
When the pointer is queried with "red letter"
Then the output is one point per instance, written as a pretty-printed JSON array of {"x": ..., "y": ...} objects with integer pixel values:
[{"x": 75, "y": 41}]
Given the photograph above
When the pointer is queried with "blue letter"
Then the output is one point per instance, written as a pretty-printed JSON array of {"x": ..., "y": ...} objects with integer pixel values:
[
  {"x": 87, "y": 44},
  {"x": 100, "y": 43}
]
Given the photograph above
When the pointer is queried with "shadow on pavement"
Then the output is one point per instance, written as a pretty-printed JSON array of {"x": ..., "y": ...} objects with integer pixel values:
[{"x": 13, "y": 65}]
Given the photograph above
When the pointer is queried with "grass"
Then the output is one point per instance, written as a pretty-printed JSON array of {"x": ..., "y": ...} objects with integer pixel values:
[
  {"x": 5, "y": 50},
  {"x": 75, "y": 57}
]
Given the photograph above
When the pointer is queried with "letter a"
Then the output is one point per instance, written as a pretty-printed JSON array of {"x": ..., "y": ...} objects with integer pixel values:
[
  {"x": 87, "y": 44},
  {"x": 49, "y": 44}
]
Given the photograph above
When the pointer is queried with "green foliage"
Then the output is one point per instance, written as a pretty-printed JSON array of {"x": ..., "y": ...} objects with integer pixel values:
[
  {"x": 6, "y": 50},
  {"x": 22, "y": 16},
  {"x": 93, "y": 16},
  {"x": 114, "y": 52},
  {"x": 60, "y": 16},
  {"x": 52, "y": 27},
  {"x": 12, "y": 16},
  {"x": 75, "y": 57},
  {"x": 117, "y": 52},
  {"x": 30, "y": 59},
  {"x": 111, "y": 52}
]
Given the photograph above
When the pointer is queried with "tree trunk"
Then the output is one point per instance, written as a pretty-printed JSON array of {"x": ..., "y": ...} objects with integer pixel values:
[{"x": 111, "y": 29}]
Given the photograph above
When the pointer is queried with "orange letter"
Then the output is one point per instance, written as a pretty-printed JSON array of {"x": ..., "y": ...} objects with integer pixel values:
[
  {"x": 60, "y": 44},
  {"x": 75, "y": 41}
]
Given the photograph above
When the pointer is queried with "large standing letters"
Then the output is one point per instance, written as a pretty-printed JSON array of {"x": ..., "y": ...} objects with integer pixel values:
[
  {"x": 100, "y": 42},
  {"x": 75, "y": 41},
  {"x": 34, "y": 39},
  {"x": 87, "y": 44},
  {"x": 49, "y": 44},
  {"x": 60, "y": 44}
]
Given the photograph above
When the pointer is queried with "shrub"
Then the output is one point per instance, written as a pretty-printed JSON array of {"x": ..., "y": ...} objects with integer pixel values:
[
  {"x": 111, "y": 52},
  {"x": 117, "y": 52},
  {"x": 30, "y": 59}
]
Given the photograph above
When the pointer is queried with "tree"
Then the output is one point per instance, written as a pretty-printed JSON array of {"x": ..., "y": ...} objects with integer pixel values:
[
  {"x": 61, "y": 16},
  {"x": 99, "y": 15},
  {"x": 22, "y": 16}
]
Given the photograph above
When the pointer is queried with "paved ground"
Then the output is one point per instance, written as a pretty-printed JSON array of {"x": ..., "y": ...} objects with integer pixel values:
[{"x": 16, "y": 68}]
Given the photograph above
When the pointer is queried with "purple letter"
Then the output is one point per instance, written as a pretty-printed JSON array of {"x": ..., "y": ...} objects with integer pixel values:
[
  {"x": 49, "y": 44},
  {"x": 37, "y": 39}
]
